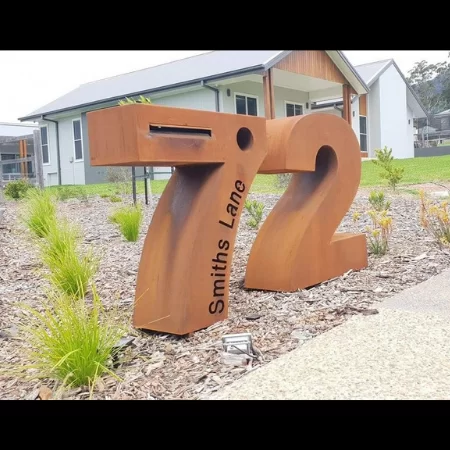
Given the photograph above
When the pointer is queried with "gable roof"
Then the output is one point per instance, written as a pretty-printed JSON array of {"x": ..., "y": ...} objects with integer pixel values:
[
  {"x": 371, "y": 72},
  {"x": 208, "y": 66}
]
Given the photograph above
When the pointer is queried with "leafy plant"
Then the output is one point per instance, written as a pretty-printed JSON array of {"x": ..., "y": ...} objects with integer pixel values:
[
  {"x": 255, "y": 209},
  {"x": 378, "y": 232},
  {"x": 40, "y": 212},
  {"x": 129, "y": 219},
  {"x": 391, "y": 173},
  {"x": 132, "y": 101},
  {"x": 115, "y": 199},
  {"x": 283, "y": 180},
  {"x": 17, "y": 189},
  {"x": 65, "y": 192},
  {"x": 378, "y": 201},
  {"x": 104, "y": 195},
  {"x": 71, "y": 341},
  {"x": 434, "y": 217},
  {"x": 121, "y": 177}
]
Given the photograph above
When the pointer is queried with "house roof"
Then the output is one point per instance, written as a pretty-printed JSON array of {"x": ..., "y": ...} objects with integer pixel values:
[
  {"x": 205, "y": 67},
  {"x": 443, "y": 113},
  {"x": 371, "y": 72}
]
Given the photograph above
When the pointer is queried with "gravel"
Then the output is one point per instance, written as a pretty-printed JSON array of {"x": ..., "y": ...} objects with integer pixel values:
[{"x": 168, "y": 367}]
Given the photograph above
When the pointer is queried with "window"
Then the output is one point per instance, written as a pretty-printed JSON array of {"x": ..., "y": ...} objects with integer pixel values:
[
  {"x": 78, "y": 145},
  {"x": 44, "y": 145},
  {"x": 246, "y": 105},
  {"x": 363, "y": 133},
  {"x": 294, "y": 109}
]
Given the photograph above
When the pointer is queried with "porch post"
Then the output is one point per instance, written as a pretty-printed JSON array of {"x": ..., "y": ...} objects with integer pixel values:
[
  {"x": 346, "y": 95},
  {"x": 269, "y": 95}
]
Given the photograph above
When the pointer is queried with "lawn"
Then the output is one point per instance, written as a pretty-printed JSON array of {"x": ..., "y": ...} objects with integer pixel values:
[{"x": 417, "y": 170}]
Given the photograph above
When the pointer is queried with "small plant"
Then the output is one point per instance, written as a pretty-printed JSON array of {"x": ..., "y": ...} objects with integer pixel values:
[
  {"x": 283, "y": 180},
  {"x": 70, "y": 341},
  {"x": 121, "y": 177},
  {"x": 129, "y": 219},
  {"x": 104, "y": 195},
  {"x": 115, "y": 199},
  {"x": 70, "y": 272},
  {"x": 17, "y": 189},
  {"x": 378, "y": 201},
  {"x": 132, "y": 101},
  {"x": 379, "y": 232},
  {"x": 255, "y": 209},
  {"x": 65, "y": 192},
  {"x": 40, "y": 212},
  {"x": 434, "y": 217},
  {"x": 385, "y": 160}
]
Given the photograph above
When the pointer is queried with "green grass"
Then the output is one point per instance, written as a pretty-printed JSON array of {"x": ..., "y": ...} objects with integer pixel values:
[
  {"x": 417, "y": 170},
  {"x": 39, "y": 211},
  {"x": 71, "y": 341},
  {"x": 129, "y": 220}
]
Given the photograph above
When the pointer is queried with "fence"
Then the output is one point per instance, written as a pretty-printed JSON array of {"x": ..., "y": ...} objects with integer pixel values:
[{"x": 20, "y": 158}]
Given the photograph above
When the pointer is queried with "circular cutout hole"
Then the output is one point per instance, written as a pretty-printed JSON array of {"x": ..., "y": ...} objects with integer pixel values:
[{"x": 244, "y": 138}]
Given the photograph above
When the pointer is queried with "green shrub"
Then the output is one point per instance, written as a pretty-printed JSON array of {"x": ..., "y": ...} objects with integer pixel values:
[
  {"x": 104, "y": 195},
  {"x": 17, "y": 189},
  {"x": 378, "y": 201},
  {"x": 385, "y": 160},
  {"x": 129, "y": 219},
  {"x": 65, "y": 192},
  {"x": 71, "y": 341},
  {"x": 283, "y": 180},
  {"x": 255, "y": 209},
  {"x": 40, "y": 212},
  {"x": 115, "y": 199}
]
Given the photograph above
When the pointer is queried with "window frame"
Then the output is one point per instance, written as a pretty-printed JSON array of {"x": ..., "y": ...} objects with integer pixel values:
[
  {"x": 48, "y": 163},
  {"x": 74, "y": 140},
  {"x": 363, "y": 134},
  {"x": 246, "y": 106},
  {"x": 287, "y": 102}
]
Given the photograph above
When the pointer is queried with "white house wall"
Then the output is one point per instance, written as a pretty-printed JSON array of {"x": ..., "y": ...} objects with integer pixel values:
[
  {"x": 355, "y": 117},
  {"x": 374, "y": 120},
  {"x": 393, "y": 114},
  {"x": 50, "y": 170},
  {"x": 72, "y": 172},
  {"x": 410, "y": 129}
]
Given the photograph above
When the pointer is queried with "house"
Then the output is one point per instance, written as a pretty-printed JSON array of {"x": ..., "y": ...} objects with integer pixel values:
[
  {"x": 271, "y": 84},
  {"x": 16, "y": 143},
  {"x": 385, "y": 115}
]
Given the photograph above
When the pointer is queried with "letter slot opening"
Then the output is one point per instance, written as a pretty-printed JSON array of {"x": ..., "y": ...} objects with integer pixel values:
[{"x": 163, "y": 130}]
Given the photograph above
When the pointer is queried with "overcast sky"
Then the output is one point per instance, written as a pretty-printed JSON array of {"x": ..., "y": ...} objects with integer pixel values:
[{"x": 31, "y": 79}]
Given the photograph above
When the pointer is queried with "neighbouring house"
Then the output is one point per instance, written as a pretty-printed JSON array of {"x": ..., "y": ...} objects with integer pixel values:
[
  {"x": 385, "y": 115},
  {"x": 271, "y": 84},
  {"x": 16, "y": 151}
]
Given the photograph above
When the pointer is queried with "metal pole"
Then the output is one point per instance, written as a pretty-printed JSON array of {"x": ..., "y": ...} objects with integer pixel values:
[
  {"x": 146, "y": 185},
  {"x": 133, "y": 177}
]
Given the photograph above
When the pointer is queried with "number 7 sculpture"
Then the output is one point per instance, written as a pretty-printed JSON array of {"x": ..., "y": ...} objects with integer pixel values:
[{"x": 184, "y": 272}]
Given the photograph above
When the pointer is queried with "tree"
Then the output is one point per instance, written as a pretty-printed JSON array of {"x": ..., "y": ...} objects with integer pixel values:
[{"x": 431, "y": 82}]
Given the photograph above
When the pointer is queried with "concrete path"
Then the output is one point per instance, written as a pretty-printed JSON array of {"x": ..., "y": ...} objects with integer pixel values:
[{"x": 401, "y": 353}]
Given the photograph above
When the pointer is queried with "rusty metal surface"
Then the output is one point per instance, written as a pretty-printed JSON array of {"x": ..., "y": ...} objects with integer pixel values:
[{"x": 184, "y": 273}]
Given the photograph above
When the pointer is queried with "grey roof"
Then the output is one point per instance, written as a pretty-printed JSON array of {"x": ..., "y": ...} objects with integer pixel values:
[
  {"x": 184, "y": 72},
  {"x": 205, "y": 66},
  {"x": 446, "y": 112},
  {"x": 371, "y": 71},
  {"x": 16, "y": 129}
]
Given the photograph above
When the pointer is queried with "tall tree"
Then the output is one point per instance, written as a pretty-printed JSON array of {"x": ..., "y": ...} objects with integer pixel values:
[{"x": 431, "y": 82}]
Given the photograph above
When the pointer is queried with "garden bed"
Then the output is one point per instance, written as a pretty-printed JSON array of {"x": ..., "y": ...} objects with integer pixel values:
[{"x": 160, "y": 366}]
